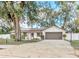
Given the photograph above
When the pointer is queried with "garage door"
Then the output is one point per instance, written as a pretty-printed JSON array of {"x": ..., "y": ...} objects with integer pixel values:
[{"x": 53, "y": 35}]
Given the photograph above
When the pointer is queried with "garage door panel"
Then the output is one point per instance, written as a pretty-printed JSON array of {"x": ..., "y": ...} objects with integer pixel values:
[{"x": 53, "y": 35}]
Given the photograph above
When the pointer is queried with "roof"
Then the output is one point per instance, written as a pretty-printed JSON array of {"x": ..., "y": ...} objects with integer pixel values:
[
  {"x": 54, "y": 29},
  {"x": 36, "y": 29},
  {"x": 32, "y": 30},
  {"x": 53, "y": 26}
]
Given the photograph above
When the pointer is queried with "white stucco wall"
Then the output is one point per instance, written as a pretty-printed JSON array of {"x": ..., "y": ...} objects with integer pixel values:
[
  {"x": 5, "y": 36},
  {"x": 75, "y": 36},
  {"x": 35, "y": 35},
  {"x": 29, "y": 36}
]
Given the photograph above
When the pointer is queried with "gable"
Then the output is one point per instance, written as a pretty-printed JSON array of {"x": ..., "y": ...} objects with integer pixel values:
[{"x": 53, "y": 29}]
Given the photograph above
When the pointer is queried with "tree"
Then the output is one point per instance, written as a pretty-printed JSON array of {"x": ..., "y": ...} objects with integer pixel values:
[
  {"x": 5, "y": 27},
  {"x": 66, "y": 10},
  {"x": 46, "y": 15},
  {"x": 76, "y": 22},
  {"x": 70, "y": 27},
  {"x": 14, "y": 10},
  {"x": 32, "y": 14}
]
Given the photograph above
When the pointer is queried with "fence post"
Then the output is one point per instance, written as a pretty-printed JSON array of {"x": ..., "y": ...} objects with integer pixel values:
[
  {"x": 70, "y": 36},
  {"x": 6, "y": 41}
]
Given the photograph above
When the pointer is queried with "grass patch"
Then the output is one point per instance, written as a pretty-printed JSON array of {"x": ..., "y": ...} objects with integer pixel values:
[
  {"x": 2, "y": 41},
  {"x": 66, "y": 40},
  {"x": 13, "y": 42},
  {"x": 6, "y": 41},
  {"x": 75, "y": 43}
]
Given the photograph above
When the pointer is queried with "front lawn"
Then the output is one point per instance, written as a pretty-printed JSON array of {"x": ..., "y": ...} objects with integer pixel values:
[
  {"x": 8, "y": 42},
  {"x": 13, "y": 42},
  {"x": 75, "y": 43}
]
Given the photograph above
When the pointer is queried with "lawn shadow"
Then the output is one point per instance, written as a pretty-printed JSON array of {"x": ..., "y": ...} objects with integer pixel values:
[{"x": 13, "y": 42}]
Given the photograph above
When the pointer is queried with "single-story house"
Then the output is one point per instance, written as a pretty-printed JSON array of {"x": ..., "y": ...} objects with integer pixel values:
[{"x": 47, "y": 33}]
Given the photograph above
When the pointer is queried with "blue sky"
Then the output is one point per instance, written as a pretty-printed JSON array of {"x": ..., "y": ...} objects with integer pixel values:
[{"x": 54, "y": 5}]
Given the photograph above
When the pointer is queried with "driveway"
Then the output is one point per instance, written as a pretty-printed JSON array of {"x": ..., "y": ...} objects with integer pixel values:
[{"x": 45, "y": 48}]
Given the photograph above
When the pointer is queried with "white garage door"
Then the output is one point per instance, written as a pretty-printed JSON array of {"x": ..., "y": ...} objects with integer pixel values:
[{"x": 53, "y": 35}]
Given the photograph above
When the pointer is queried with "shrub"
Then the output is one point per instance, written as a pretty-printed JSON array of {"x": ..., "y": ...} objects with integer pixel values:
[
  {"x": 64, "y": 36},
  {"x": 12, "y": 36},
  {"x": 22, "y": 37},
  {"x": 77, "y": 30},
  {"x": 35, "y": 39}
]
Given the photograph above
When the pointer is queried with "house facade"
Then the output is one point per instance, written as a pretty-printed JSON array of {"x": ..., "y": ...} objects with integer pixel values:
[
  {"x": 51, "y": 33},
  {"x": 32, "y": 33},
  {"x": 47, "y": 33}
]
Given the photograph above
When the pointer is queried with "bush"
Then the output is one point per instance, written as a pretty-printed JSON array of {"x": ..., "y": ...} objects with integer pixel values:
[
  {"x": 35, "y": 39},
  {"x": 22, "y": 37},
  {"x": 64, "y": 36},
  {"x": 12, "y": 36},
  {"x": 76, "y": 31}
]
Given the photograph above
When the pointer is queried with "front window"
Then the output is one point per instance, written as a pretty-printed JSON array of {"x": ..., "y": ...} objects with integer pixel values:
[
  {"x": 38, "y": 34},
  {"x": 32, "y": 34}
]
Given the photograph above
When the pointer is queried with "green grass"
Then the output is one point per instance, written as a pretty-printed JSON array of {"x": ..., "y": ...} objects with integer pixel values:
[
  {"x": 75, "y": 43},
  {"x": 13, "y": 42},
  {"x": 2, "y": 41},
  {"x": 6, "y": 41}
]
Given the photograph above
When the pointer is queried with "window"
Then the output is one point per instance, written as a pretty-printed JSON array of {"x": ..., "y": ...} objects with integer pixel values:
[
  {"x": 38, "y": 34},
  {"x": 32, "y": 34}
]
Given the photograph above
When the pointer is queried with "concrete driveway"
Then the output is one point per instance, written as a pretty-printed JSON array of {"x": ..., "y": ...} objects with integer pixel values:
[{"x": 44, "y": 49}]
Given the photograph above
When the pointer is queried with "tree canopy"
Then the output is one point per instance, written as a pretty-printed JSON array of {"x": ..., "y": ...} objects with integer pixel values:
[{"x": 40, "y": 13}]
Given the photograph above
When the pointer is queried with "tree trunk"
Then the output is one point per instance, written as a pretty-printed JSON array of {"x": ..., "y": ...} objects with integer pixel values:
[
  {"x": 17, "y": 28},
  {"x": 15, "y": 20},
  {"x": 63, "y": 27},
  {"x": 17, "y": 31}
]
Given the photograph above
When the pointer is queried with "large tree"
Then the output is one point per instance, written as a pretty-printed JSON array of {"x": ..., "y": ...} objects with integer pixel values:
[
  {"x": 73, "y": 21},
  {"x": 66, "y": 10},
  {"x": 47, "y": 14},
  {"x": 32, "y": 15},
  {"x": 15, "y": 10}
]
